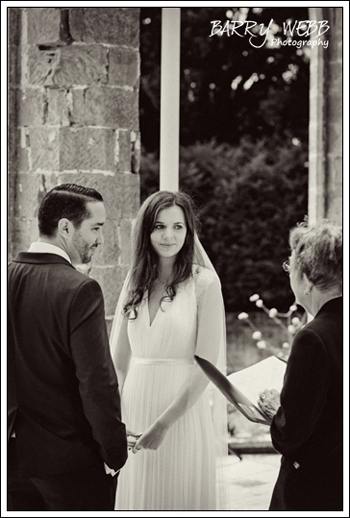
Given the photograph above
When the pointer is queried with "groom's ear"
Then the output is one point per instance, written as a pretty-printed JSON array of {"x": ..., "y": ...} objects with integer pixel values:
[{"x": 64, "y": 228}]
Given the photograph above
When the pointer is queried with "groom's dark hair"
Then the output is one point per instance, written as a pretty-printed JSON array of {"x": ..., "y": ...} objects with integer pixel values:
[{"x": 65, "y": 201}]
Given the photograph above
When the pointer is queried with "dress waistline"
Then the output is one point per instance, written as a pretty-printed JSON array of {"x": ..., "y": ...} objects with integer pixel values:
[{"x": 167, "y": 361}]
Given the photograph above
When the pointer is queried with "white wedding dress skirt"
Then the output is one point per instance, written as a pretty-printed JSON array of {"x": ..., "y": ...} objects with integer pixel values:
[{"x": 181, "y": 473}]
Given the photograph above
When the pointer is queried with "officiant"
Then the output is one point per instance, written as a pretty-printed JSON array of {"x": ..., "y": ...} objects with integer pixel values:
[{"x": 307, "y": 425}]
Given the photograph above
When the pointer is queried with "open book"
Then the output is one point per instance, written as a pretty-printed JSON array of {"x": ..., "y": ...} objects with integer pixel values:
[{"x": 242, "y": 388}]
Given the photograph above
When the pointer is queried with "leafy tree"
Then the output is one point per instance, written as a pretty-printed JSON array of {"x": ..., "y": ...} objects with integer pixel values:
[{"x": 228, "y": 88}]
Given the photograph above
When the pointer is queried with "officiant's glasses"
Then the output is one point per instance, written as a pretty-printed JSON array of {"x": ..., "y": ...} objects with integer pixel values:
[{"x": 286, "y": 266}]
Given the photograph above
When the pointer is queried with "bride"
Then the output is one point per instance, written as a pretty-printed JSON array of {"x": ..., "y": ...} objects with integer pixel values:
[{"x": 170, "y": 309}]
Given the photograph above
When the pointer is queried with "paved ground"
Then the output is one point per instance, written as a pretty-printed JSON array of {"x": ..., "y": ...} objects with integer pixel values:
[{"x": 251, "y": 481}]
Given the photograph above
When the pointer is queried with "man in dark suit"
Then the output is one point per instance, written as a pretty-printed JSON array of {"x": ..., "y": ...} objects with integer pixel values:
[{"x": 66, "y": 439}]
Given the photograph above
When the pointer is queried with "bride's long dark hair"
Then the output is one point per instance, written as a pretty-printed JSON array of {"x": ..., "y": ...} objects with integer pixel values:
[{"x": 144, "y": 267}]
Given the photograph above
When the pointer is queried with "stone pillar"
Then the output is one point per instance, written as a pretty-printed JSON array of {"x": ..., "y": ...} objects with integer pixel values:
[
  {"x": 73, "y": 103},
  {"x": 325, "y": 127},
  {"x": 334, "y": 113}
]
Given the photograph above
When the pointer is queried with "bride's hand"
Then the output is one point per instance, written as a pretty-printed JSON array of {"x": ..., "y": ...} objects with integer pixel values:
[{"x": 152, "y": 438}]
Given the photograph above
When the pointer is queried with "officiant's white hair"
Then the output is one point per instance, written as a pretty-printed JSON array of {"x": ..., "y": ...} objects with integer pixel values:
[{"x": 319, "y": 253}]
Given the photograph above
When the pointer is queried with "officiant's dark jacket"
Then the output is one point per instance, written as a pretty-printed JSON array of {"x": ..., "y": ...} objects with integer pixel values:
[
  {"x": 63, "y": 399},
  {"x": 308, "y": 427}
]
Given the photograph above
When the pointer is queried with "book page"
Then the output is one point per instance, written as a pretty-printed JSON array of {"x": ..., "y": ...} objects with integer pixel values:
[{"x": 267, "y": 374}]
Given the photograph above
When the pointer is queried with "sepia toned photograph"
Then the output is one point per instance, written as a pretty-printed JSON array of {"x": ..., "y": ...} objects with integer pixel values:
[{"x": 174, "y": 204}]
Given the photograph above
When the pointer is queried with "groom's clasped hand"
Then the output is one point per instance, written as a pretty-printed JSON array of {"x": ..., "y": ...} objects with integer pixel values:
[{"x": 132, "y": 439}]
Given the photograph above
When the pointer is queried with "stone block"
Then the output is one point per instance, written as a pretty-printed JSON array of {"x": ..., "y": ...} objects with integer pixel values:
[
  {"x": 117, "y": 26},
  {"x": 44, "y": 144},
  {"x": 13, "y": 95},
  {"x": 67, "y": 66},
  {"x": 334, "y": 136},
  {"x": 109, "y": 107},
  {"x": 87, "y": 148},
  {"x": 47, "y": 26},
  {"x": 14, "y": 139},
  {"x": 41, "y": 65},
  {"x": 57, "y": 107},
  {"x": 135, "y": 151},
  {"x": 14, "y": 70},
  {"x": 81, "y": 65},
  {"x": 131, "y": 195},
  {"x": 113, "y": 195},
  {"x": 23, "y": 164},
  {"x": 25, "y": 232},
  {"x": 49, "y": 181},
  {"x": 109, "y": 253},
  {"x": 17, "y": 158},
  {"x": 336, "y": 49},
  {"x": 14, "y": 25},
  {"x": 125, "y": 241},
  {"x": 335, "y": 109},
  {"x": 110, "y": 187},
  {"x": 123, "y": 67},
  {"x": 335, "y": 19},
  {"x": 31, "y": 107},
  {"x": 11, "y": 189},
  {"x": 30, "y": 190},
  {"x": 124, "y": 151},
  {"x": 334, "y": 193},
  {"x": 335, "y": 79},
  {"x": 111, "y": 281},
  {"x": 334, "y": 167}
]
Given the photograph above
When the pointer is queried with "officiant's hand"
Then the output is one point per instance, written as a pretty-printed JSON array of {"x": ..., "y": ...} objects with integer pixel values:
[
  {"x": 269, "y": 402},
  {"x": 152, "y": 438}
]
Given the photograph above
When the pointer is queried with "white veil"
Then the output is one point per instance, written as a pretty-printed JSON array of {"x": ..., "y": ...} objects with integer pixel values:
[
  {"x": 118, "y": 317},
  {"x": 217, "y": 400}
]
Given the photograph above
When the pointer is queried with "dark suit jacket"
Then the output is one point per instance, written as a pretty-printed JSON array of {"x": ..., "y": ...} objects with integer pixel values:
[
  {"x": 63, "y": 397},
  {"x": 308, "y": 427}
]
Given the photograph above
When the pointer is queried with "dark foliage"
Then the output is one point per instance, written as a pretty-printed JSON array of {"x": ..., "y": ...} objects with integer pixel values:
[
  {"x": 244, "y": 137},
  {"x": 275, "y": 103}
]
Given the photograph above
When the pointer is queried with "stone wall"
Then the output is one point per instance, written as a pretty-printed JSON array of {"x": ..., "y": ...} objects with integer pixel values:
[
  {"x": 325, "y": 126},
  {"x": 73, "y": 117}
]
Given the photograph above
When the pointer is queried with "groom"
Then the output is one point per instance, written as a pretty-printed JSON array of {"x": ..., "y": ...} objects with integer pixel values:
[{"x": 64, "y": 422}]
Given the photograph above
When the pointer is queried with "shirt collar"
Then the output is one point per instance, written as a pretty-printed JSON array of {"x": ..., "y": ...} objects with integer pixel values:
[{"x": 40, "y": 247}]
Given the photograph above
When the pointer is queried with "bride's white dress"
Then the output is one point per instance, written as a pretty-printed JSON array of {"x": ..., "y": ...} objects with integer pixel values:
[{"x": 181, "y": 473}]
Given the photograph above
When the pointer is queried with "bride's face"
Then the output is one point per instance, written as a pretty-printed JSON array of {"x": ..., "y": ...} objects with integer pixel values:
[{"x": 169, "y": 232}]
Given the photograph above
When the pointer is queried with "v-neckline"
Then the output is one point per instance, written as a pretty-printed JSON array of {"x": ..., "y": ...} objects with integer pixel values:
[{"x": 150, "y": 324}]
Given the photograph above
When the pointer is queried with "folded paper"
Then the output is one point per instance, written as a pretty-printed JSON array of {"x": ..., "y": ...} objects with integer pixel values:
[{"x": 242, "y": 388}]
